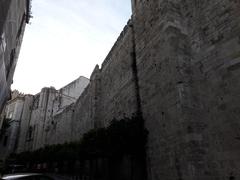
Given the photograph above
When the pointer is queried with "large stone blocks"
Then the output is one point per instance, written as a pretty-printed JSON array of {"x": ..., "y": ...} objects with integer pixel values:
[{"x": 190, "y": 103}]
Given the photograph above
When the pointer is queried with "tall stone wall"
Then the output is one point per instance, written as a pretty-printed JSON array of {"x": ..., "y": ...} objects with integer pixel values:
[
  {"x": 187, "y": 61},
  {"x": 110, "y": 95},
  {"x": 177, "y": 63},
  {"x": 9, "y": 135},
  {"x": 46, "y": 111},
  {"x": 216, "y": 55},
  {"x": 82, "y": 119},
  {"x": 24, "y": 123},
  {"x": 41, "y": 116},
  {"x": 76, "y": 119},
  {"x": 117, "y": 80},
  {"x": 60, "y": 128}
]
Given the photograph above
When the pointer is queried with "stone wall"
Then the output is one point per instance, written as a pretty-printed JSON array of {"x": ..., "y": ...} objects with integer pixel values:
[
  {"x": 46, "y": 110},
  {"x": 82, "y": 118},
  {"x": 110, "y": 95},
  {"x": 9, "y": 135},
  {"x": 117, "y": 82},
  {"x": 188, "y": 59},
  {"x": 59, "y": 129},
  {"x": 69, "y": 94},
  {"x": 177, "y": 62},
  {"x": 24, "y": 123}
]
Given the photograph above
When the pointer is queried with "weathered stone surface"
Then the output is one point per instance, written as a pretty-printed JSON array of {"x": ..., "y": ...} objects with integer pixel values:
[
  {"x": 187, "y": 56},
  {"x": 117, "y": 93},
  {"x": 24, "y": 124},
  {"x": 16, "y": 118},
  {"x": 50, "y": 122},
  {"x": 110, "y": 95}
]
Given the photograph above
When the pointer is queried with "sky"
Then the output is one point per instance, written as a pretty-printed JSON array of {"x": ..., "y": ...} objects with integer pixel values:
[{"x": 66, "y": 39}]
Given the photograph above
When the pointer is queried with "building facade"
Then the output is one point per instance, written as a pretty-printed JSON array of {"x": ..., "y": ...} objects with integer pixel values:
[
  {"x": 14, "y": 15},
  {"x": 11, "y": 118},
  {"x": 47, "y": 105},
  {"x": 26, "y": 118},
  {"x": 178, "y": 62}
]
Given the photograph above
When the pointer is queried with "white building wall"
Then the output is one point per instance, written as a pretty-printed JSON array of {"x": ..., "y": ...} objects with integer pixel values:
[
  {"x": 69, "y": 94},
  {"x": 24, "y": 123},
  {"x": 13, "y": 113},
  {"x": 48, "y": 104}
]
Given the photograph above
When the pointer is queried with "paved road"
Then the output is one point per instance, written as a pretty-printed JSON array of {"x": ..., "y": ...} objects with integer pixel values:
[{"x": 59, "y": 177}]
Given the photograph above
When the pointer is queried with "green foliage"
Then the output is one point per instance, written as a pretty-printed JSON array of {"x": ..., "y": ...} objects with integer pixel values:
[{"x": 124, "y": 137}]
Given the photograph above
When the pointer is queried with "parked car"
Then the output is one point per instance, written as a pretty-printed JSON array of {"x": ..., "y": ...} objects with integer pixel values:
[{"x": 27, "y": 176}]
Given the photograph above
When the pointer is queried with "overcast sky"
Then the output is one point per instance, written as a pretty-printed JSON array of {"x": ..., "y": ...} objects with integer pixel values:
[{"x": 66, "y": 39}]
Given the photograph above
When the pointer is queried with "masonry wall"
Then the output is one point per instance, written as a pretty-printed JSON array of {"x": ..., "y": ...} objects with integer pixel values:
[
  {"x": 187, "y": 59},
  {"x": 118, "y": 88},
  {"x": 14, "y": 15},
  {"x": 110, "y": 95},
  {"x": 218, "y": 65},
  {"x": 69, "y": 94},
  {"x": 78, "y": 118},
  {"x": 24, "y": 123},
  {"x": 82, "y": 119},
  {"x": 60, "y": 129},
  {"x": 48, "y": 112},
  {"x": 9, "y": 135}
]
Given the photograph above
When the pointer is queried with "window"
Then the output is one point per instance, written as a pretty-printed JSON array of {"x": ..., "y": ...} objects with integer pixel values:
[
  {"x": 30, "y": 131},
  {"x": 10, "y": 115},
  {"x": 12, "y": 58},
  {"x": 5, "y": 141}
]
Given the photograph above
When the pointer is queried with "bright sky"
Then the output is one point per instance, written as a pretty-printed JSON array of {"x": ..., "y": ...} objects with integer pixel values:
[{"x": 66, "y": 39}]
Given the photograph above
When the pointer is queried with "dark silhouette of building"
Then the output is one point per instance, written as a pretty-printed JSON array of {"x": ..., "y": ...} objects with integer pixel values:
[{"x": 14, "y": 15}]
